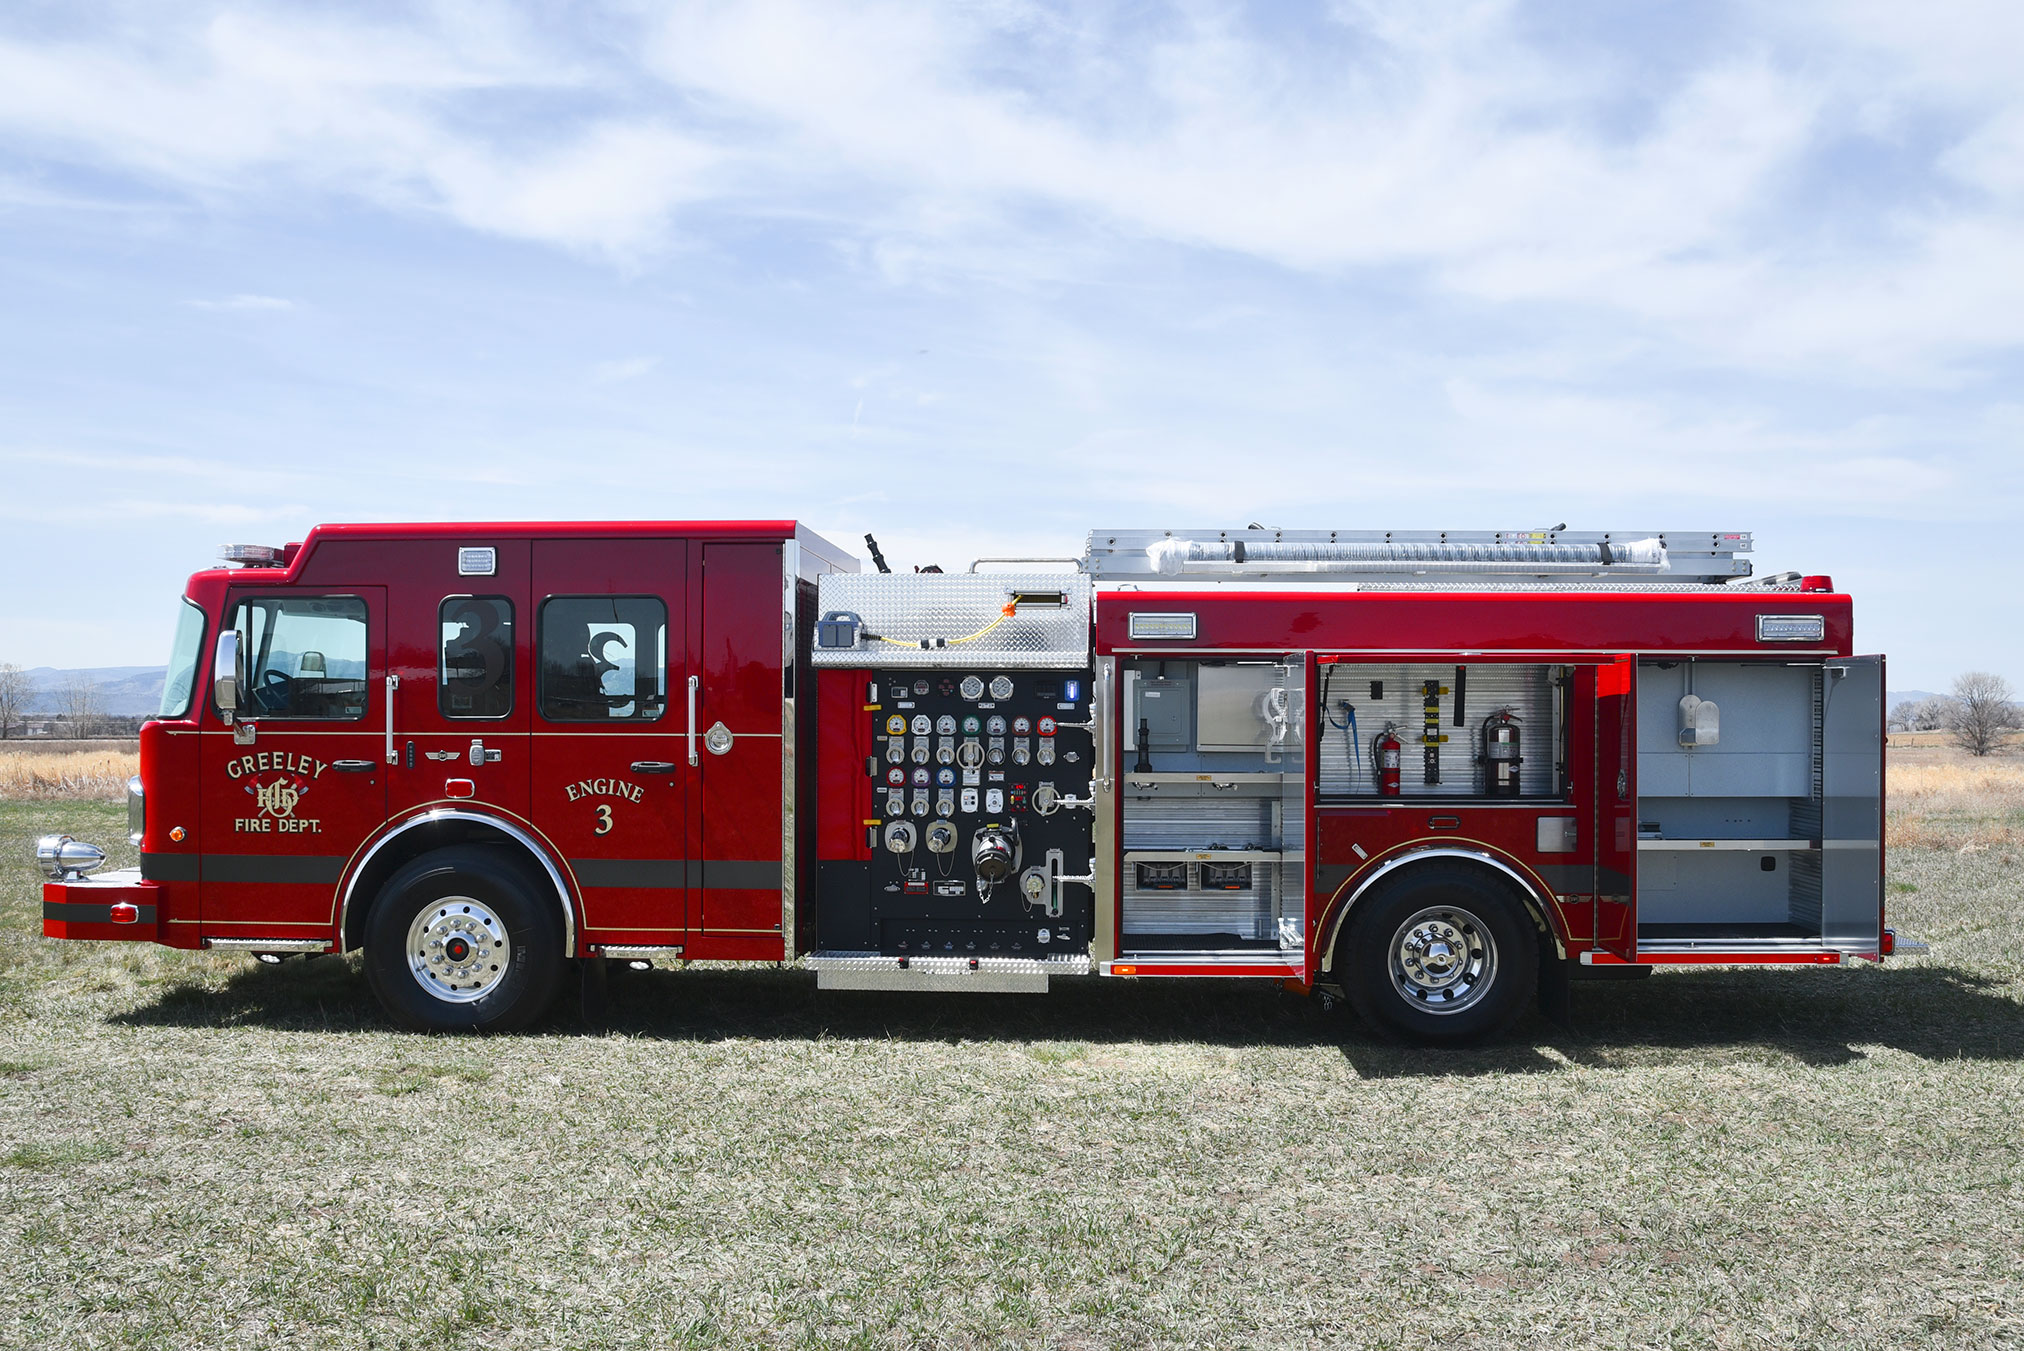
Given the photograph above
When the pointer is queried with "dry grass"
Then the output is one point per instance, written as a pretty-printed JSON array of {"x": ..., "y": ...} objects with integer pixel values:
[
  {"x": 1955, "y": 802},
  {"x": 195, "y": 1150},
  {"x": 66, "y": 775}
]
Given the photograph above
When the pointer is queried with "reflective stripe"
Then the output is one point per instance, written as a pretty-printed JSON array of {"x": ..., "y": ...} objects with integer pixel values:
[
  {"x": 169, "y": 867},
  {"x": 278, "y": 869},
  {"x": 79, "y": 912},
  {"x": 669, "y": 874}
]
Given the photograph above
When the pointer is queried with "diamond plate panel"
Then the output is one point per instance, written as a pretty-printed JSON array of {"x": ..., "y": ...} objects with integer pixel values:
[
  {"x": 960, "y": 618},
  {"x": 994, "y": 975}
]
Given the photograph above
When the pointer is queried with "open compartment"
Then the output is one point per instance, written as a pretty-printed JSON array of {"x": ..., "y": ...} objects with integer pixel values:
[
  {"x": 1213, "y": 807},
  {"x": 1485, "y": 730},
  {"x": 1755, "y": 781}
]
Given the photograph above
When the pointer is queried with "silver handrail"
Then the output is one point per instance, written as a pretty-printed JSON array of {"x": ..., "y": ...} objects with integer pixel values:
[{"x": 694, "y": 682}]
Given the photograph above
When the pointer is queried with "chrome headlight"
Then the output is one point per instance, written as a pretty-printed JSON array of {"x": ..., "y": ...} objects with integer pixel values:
[
  {"x": 137, "y": 811},
  {"x": 65, "y": 859}
]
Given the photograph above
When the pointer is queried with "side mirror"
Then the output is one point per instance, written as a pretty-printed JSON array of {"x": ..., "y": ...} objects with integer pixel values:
[{"x": 225, "y": 682}]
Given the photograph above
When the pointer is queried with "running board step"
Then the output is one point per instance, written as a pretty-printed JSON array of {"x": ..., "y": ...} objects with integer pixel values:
[
  {"x": 977, "y": 975},
  {"x": 268, "y": 944}
]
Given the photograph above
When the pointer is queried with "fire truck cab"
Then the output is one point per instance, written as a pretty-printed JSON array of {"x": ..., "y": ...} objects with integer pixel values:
[{"x": 1437, "y": 774}]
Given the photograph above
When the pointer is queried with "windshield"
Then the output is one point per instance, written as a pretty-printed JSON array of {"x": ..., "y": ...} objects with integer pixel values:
[{"x": 187, "y": 651}]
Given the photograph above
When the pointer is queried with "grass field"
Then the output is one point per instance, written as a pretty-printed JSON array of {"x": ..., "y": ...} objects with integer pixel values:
[{"x": 198, "y": 1151}]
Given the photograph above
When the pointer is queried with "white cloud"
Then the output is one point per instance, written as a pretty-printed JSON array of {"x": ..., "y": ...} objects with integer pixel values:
[{"x": 1457, "y": 146}]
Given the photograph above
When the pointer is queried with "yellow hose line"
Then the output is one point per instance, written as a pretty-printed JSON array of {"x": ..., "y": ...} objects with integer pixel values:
[{"x": 1003, "y": 615}]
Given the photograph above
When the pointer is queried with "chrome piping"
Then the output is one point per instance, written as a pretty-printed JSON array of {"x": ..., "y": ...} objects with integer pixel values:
[
  {"x": 505, "y": 828},
  {"x": 1391, "y": 865}
]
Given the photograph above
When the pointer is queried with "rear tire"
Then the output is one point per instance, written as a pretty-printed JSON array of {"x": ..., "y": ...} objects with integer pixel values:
[
  {"x": 460, "y": 941},
  {"x": 1441, "y": 955}
]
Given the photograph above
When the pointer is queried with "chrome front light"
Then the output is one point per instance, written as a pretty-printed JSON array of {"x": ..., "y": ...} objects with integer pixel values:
[
  {"x": 137, "y": 811},
  {"x": 65, "y": 859}
]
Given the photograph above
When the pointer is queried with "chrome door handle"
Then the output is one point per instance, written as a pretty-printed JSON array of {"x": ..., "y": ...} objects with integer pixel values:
[
  {"x": 353, "y": 766},
  {"x": 481, "y": 756},
  {"x": 694, "y": 682},
  {"x": 653, "y": 766}
]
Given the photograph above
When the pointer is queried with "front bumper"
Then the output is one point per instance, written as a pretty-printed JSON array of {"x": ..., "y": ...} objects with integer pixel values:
[{"x": 116, "y": 905}]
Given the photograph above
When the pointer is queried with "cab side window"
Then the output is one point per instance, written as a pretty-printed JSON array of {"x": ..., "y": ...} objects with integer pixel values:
[
  {"x": 603, "y": 658},
  {"x": 305, "y": 656},
  {"x": 474, "y": 664}
]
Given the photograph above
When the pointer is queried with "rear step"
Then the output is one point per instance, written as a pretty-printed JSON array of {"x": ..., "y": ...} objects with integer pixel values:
[{"x": 976, "y": 975}]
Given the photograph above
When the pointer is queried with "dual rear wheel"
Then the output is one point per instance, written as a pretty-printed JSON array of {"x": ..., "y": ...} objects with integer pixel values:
[{"x": 1442, "y": 953}]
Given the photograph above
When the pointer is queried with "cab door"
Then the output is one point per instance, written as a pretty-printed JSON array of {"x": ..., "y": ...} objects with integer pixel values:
[
  {"x": 290, "y": 788},
  {"x": 460, "y": 639},
  {"x": 741, "y": 643},
  {"x": 1614, "y": 792},
  {"x": 610, "y": 766}
]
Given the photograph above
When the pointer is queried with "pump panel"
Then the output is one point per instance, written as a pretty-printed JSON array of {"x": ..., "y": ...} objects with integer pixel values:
[{"x": 980, "y": 781}]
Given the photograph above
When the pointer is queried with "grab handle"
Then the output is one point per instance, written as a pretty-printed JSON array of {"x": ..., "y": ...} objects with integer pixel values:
[{"x": 694, "y": 682}]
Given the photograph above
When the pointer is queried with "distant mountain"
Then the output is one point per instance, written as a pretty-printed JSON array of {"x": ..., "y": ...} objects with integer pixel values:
[
  {"x": 1896, "y": 697},
  {"x": 123, "y": 691}
]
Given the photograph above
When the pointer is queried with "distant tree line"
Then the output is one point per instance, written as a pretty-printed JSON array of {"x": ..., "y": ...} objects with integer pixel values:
[
  {"x": 79, "y": 712},
  {"x": 1979, "y": 713}
]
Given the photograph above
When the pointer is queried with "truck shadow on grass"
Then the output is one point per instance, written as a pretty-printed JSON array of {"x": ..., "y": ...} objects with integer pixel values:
[{"x": 1817, "y": 1018}]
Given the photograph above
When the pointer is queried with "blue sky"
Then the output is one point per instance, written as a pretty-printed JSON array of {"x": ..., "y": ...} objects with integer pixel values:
[{"x": 980, "y": 277}]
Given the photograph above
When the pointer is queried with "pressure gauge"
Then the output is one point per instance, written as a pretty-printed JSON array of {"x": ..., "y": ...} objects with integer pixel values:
[
  {"x": 972, "y": 688},
  {"x": 946, "y": 724},
  {"x": 995, "y": 725},
  {"x": 1001, "y": 687},
  {"x": 896, "y": 725},
  {"x": 923, "y": 724}
]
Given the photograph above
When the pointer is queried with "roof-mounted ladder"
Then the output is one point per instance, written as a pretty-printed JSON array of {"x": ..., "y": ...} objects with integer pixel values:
[{"x": 1508, "y": 556}]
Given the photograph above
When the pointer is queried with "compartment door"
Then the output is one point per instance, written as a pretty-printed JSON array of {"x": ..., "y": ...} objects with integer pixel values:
[
  {"x": 744, "y": 632},
  {"x": 1615, "y": 807},
  {"x": 1851, "y": 780}
]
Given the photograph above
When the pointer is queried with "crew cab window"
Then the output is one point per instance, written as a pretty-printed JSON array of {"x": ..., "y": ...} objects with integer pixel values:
[
  {"x": 474, "y": 672},
  {"x": 305, "y": 656},
  {"x": 603, "y": 658}
]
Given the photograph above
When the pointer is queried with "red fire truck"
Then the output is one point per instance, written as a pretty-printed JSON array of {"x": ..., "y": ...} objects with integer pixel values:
[{"x": 1436, "y": 773}]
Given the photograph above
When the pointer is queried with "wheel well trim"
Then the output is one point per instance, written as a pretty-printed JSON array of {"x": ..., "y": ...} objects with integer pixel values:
[
  {"x": 506, "y": 828},
  {"x": 1527, "y": 888}
]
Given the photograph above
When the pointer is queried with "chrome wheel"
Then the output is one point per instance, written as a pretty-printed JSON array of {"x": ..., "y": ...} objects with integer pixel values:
[
  {"x": 1442, "y": 959},
  {"x": 458, "y": 949}
]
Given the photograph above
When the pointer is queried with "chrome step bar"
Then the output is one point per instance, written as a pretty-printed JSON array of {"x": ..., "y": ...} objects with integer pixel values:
[
  {"x": 268, "y": 944},
  {"x": 976, "y": 975}
]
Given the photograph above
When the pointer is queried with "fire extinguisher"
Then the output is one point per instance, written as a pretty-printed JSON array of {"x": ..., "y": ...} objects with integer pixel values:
[
  {"x": 1384, "y": 758},
  {"x": 1501, "y": 756}
]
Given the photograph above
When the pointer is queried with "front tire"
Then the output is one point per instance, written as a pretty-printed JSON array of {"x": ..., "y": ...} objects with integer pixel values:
[
  {"x": 1442, "y": 954},
  {"x": 459, "y": 941}
]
